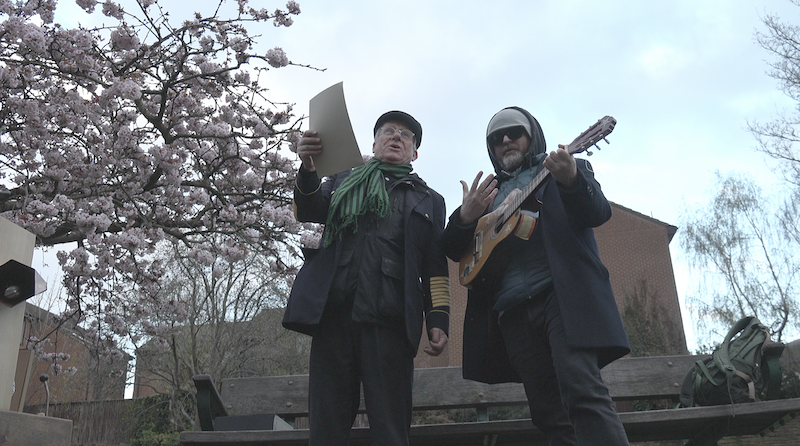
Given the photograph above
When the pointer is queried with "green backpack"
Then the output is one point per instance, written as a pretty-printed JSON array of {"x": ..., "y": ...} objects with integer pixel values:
[{"x": 737, "y": 371}]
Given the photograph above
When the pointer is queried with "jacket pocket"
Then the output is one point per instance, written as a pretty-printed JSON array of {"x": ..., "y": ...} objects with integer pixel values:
[
  {"x": 390, "y": 302},
  {"x": 392, "y": 268}
]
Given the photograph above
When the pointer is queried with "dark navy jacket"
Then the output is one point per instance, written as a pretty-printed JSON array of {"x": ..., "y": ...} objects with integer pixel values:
[
  {"x": 424, "y": 264},
  {"x": 581, "y": 281}
]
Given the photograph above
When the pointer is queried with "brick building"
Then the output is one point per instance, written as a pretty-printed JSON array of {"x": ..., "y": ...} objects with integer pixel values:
[
  {"x": 635, "y": 249},
  {"x": 94, "y": 378}
]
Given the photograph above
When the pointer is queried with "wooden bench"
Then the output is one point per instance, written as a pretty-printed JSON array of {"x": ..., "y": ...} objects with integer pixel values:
[{"x": 628, "y": 379}]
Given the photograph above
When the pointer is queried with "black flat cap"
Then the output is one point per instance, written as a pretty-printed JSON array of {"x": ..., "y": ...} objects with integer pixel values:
[{"x": 405, "y": 118}]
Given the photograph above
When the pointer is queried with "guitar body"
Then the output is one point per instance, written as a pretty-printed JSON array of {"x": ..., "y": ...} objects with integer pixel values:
[
  {"x": 497, "y": 225},
  {"x": 489, "y": 232}
]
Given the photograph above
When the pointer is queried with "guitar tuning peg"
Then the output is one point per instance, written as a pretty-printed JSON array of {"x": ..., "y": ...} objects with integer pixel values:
[
  {"x": 589, "y": 152},
  {"x": 606, "y": 140}
]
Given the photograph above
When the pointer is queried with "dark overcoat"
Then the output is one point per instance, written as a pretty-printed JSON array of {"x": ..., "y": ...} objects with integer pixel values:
[
  {"x": 423, "y": 221},
  {"x": 581, "y": 281}
]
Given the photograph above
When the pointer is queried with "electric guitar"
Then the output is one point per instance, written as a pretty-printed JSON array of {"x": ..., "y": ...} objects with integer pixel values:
[{"x": 497, "y": 225}]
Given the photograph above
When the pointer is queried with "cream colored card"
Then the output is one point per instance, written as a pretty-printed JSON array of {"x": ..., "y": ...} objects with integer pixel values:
[{"x": 327, "y": 114}]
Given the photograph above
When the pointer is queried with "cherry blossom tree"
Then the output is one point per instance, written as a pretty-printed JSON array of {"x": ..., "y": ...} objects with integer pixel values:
[
  {"x": 232, "y": 328},
  {"x": 116, "y": 138}
]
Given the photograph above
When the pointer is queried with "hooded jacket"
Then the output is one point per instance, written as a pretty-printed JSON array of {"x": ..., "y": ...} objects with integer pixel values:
[{"x": 580, "y": 280}]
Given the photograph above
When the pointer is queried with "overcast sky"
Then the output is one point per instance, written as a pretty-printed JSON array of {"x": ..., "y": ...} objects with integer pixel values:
[{"x": 682, "y": 78}]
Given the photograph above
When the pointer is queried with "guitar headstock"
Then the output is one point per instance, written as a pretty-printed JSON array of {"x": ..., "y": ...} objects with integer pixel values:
[{"x": 598, "y": 131}]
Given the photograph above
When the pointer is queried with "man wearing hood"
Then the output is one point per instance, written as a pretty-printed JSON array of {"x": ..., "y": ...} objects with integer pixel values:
[
  {"x": 363, "y": 296},
  {"x": 541, "y": 310}
]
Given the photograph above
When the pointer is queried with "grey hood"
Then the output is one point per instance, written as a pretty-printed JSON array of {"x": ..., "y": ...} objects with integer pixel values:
[{"x": 536, "y": 151}]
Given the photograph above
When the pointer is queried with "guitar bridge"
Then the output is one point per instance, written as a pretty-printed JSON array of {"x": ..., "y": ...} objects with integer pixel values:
[{"x": 478, "y": 250}]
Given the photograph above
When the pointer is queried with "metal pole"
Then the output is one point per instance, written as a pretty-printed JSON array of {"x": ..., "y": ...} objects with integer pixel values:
[{"x": 43, "y": 378}]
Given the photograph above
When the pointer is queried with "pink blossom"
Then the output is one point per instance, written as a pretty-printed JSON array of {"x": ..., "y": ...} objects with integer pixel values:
[
  {"x": 277, "y": 58},
  {"x": 123, "y": 38},
  {"x": 281, "y": 18},
  {"x": 127, "y": 89},
  {"x": 235, "y": 253},
  {"x": 33, "y": 37},
  {"x": 239, "y": 44},
  {"x": 293, "y": 7},
  {"x": 87, "y": 5},
  {"x": 228, "y": 213},
  {"x": 6, "y": 7},
  {"x": 116, "y": 324},
  {"x": 112, "y": 9},
  {"x": 125, "y": 147},
  {"x": 310, "y": 239},
  {"x": 204, "y": 257}
]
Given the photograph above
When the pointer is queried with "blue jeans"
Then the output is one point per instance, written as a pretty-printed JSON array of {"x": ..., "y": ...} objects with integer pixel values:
[{"x": 568, "y": 400}]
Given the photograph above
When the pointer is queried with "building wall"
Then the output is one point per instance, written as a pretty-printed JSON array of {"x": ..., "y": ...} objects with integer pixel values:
[
  {"x": 146, "y": 383},
  {"x": 451, "y": 356},
  {"x": 635, "y": 249},
  {"x": 95, "y": 379}
]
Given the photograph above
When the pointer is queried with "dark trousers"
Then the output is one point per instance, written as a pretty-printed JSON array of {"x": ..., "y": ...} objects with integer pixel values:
[
  {"x": 345, "y": 355},
  {"x": 568, "y": 400}
]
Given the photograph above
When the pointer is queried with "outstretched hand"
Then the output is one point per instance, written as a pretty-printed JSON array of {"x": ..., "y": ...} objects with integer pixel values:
[{"x": 477, "y": 198}]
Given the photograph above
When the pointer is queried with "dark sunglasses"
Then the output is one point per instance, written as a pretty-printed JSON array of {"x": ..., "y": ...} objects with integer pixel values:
[{"x": 513, "y": 133}]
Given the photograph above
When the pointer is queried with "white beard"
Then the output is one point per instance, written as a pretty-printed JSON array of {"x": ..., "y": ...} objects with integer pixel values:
[{"x": 511, "y": 161}]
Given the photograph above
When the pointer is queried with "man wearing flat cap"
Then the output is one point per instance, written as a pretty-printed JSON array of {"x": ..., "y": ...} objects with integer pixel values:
[
  {"x": 541, "y": 310},
  {"x": 378, "y": 274}
]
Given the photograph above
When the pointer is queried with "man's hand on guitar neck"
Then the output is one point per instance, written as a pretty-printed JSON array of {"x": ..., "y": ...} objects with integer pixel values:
[
  {"x": 477, "y": 198},
  {"x": 562, "y": 166}
]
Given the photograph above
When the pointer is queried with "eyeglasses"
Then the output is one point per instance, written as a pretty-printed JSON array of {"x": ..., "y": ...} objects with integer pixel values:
[
  {"x": 496, "y": 138},
  {"x": 406, "y": 135}
]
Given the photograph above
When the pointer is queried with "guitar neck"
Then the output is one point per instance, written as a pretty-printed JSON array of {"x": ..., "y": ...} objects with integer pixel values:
[
  {"x": 495, "y": 226},
  {"x": 532, "y": 187},
  {"x": 588, "y": 138}
]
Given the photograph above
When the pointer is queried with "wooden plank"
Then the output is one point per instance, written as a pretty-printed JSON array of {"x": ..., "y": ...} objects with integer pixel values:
[
  {"x": 24, "y": 429},
  {"x": 627, "y": 379},
  {"x": 282, "y": 395},
  {"x": 434, "y": 388},
  {"x": 654, "y": 377},
  {"x": 655, "y": 425},
  {"x": 443, "y": 387},
  {"x": 679, "y": 424}
]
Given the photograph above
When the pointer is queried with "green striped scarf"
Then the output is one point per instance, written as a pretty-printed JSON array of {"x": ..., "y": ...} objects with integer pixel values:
[{"x": 362, "y": 192}]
